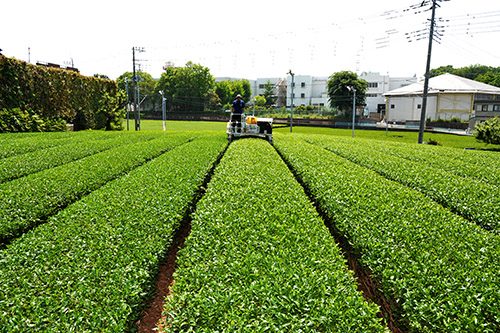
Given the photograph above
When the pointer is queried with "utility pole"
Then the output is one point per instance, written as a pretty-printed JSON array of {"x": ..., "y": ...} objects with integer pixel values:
[
  {"x": 427, "y": 73},
  {"x": 353, "y": 89},
  {"x": 136, "y": 89},
  {"x": 291, "y": 100}
]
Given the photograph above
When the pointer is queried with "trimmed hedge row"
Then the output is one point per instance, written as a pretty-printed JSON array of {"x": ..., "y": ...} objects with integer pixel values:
[
  {"x": 259, "y": 258},
  {"x": 441, "y": 270},
  {"x": 57, "y": 94},
  {"x": 26, "y": 200},
  {"x": 480, "y": 165},
  {"x": 475, "y": 200},
  {"x": 92, "y": 266},
  {"x": 22, "y": 144},
  {"x": 21, "y": 165}
]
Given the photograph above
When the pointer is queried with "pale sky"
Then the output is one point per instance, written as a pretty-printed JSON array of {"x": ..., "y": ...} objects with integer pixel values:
[{"x": 250, "y": 39}]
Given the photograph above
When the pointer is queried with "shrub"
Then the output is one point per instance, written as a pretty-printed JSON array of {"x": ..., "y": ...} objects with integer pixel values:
[
  {"x": 17, "y": 120},
  {"x": 488, "y": 131}
]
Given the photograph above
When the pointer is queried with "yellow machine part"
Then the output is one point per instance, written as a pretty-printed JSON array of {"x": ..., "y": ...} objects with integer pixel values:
[{"x": 251, "y": 120}]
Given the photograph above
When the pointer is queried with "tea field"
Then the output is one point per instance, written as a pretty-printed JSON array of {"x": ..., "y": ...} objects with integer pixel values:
[{"x": 316, "y": 233}]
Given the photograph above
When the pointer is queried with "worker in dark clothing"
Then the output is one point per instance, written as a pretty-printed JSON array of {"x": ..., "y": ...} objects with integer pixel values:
[{"x": 238, "y": 107}]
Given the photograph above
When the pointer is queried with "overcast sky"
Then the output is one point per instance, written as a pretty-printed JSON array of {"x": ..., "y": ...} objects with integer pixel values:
[{"x": 250, "y": 39}]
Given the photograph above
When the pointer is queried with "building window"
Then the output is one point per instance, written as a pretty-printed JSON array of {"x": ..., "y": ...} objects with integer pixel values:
[
  {"x": 371, "y": 95},
  {"x": 293, "y": 95},
  {"x": 261, "y": 86},
  {"x": 321, "y": 104},
  {"x": 496, "y": 107},
  {"x": 392, "y": 106},
  {"x": 303, "y": 84},
  {"x": 484, "y": 107},
  {"x": 302, "y": 95},
  {"x": 372, "y": 84},
  {"x": 419, "y": 106}
]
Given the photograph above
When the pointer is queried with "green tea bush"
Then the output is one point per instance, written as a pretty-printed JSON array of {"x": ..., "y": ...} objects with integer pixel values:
[{"x": 260, "y": 259}]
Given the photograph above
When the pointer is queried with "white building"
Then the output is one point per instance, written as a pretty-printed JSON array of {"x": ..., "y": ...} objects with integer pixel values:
[
  {"x": 311, "y": 90},
  {"x": 308, "y": 90},
  {"x": 449, "y": 96},
  {"x": 378, "y": 85},
  {"x": 279, "y": 88}
]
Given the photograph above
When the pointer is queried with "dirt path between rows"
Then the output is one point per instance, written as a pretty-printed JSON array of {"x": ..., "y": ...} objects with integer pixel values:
[{"x": 153, "y": 314}]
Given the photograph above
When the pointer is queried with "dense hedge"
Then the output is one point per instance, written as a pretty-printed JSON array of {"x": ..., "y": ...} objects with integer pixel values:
[{"x": 53, "y": 94}]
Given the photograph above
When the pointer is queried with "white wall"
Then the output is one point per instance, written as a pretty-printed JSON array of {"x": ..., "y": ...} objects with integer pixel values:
[
  {"x": 454, "y": 106},
  {"x": 302, "y": 90},
  {"x": 409, "y": 108},
  {"x": 441, "y": 106}
]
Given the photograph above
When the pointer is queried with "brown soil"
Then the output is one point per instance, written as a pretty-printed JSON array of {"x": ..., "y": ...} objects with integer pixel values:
[
  {"x": 153, "y": 313},
  {"x": 367, "y": 286}
]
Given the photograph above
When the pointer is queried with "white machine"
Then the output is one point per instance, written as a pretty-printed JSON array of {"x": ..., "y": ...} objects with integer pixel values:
[{"x": 249, "y": 126}]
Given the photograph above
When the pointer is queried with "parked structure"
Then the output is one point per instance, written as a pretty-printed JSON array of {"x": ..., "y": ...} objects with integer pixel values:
[{"x": 450, "y": 96}]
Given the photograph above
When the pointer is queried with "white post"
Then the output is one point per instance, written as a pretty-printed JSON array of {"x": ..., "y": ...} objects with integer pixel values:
[{"x": 163, "y": 110}]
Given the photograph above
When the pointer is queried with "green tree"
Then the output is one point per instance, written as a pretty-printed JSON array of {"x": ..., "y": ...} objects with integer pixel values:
[
  {"x": 486, "y": 74},
  {"x": 488, "y": 131},
  {"x": 260, "y": 101},
  {"x": 228, "y": 89},
  {"x": 490, "y": 77},
  {"x": 146, "y": 87},
  {"x": 269, "y": 93},
  {"x": 188, "y": 88},
  {"x": 339, "y": 95},
  {"x": 244, "y": 89}
]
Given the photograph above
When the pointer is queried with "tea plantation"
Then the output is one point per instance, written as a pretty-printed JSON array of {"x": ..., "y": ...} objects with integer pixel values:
[{"x": 316, "y": 233}]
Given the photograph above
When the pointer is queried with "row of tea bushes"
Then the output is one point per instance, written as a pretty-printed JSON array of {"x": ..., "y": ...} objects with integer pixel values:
[
  {"x": 475, "y": 200},
  {"x": 440, "y": 269},
  {"x": 90, "y": 267},
  {"x": 24, "y": 164},
  {"x": 26, "y": 201},
  {"x": 260, "y": 259}
]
